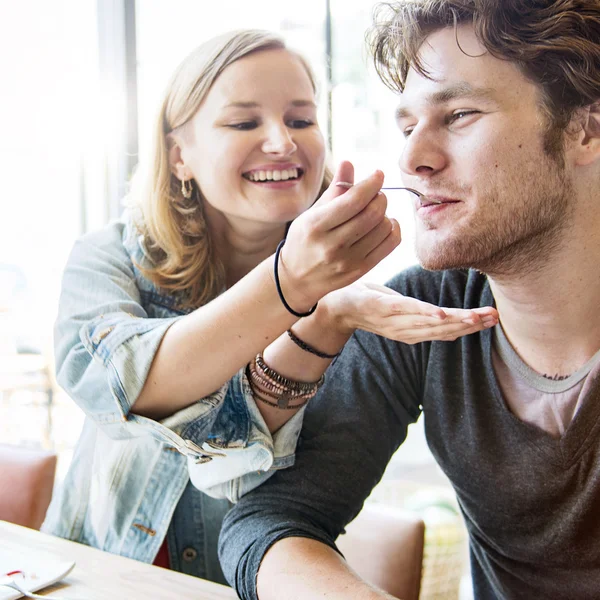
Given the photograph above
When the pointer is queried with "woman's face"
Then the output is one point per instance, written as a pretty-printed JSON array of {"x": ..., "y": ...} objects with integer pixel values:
[{"x": 254, "y": 147}]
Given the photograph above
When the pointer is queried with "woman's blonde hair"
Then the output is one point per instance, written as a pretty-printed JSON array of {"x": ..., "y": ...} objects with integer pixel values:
[{"x": 176, "y": 234}]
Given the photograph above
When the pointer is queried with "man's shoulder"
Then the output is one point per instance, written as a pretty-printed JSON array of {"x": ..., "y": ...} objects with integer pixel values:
[{"x": 460, "y": 288}]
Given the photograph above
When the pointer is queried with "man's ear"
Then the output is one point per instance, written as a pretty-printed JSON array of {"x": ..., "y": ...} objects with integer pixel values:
[
  {"x": 178, "y": 166},
  {"x": 589, "y": 149}
]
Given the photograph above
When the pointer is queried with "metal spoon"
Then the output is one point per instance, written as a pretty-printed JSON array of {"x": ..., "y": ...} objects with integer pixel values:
[
  {"x": 11, "y": 583},
  {"x": 347, "y": 184}
]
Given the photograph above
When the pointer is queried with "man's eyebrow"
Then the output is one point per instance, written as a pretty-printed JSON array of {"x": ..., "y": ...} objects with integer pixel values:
[
  {"x": 298, "y": 103},
  {"x": 453, "y": 92}
]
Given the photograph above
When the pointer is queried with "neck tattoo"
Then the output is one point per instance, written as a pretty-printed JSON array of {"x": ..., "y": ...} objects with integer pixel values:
[{"x": 557, "y": 377}]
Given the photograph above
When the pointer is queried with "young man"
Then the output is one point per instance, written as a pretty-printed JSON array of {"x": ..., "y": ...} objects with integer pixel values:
[{"x": 500, "y": 108}]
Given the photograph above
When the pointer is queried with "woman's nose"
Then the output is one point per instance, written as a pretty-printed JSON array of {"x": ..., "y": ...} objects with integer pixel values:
[
  {"x": 422, "y": 153},
  {"x": 279, "y": 141}
]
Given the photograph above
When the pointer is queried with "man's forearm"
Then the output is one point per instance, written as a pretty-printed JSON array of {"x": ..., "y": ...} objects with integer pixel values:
[{"x": 305, "y": 569}]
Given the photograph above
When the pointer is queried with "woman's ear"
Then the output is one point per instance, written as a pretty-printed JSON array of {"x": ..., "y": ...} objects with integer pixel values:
[
  {"x": 589, "y": 150},
  {"x": 178, "y": 166}
]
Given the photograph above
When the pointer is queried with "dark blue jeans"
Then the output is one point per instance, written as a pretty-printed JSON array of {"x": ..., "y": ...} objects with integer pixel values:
[{"x": 193, "y": 535}]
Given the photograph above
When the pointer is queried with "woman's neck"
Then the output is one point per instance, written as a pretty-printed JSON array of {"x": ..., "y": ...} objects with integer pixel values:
[{"x": 241, "y": 245}]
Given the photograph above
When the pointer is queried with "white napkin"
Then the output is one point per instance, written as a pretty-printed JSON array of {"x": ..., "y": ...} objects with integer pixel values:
[{"x": 36, "y": 573}]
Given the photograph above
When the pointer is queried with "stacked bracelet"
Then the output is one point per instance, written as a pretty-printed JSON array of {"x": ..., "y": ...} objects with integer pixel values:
[
  {"x": 284, "y": 381},
  {"x": 278, "y": 285},
  {"x": 268, "y": 383},
  {"x": 307, "y": 347}
]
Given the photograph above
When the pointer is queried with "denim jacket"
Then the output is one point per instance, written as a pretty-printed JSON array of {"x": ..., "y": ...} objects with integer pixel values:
[{"x": 128, "y": 472}]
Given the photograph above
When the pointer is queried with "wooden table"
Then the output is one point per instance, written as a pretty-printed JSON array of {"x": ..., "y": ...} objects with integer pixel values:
[{"x": 102, "y": 576}]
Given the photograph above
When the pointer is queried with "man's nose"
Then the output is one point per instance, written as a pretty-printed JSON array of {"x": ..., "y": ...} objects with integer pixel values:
[
  {"x": 279, "y": 141},
  {"x": 423, "y": 153}
]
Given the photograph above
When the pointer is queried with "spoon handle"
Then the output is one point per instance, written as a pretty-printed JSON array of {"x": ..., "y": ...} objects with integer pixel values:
[{"x": 347, "y": 184}]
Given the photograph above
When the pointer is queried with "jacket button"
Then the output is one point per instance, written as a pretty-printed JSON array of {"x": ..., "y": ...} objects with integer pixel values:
[{"x": 189, "y": 555}]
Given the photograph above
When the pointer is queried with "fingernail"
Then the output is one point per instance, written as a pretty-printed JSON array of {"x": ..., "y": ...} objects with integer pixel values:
[
  {"x": 489, "y": 322},
  {"x": 345, "y": 184},
  {"x": 470, "y": 321}
]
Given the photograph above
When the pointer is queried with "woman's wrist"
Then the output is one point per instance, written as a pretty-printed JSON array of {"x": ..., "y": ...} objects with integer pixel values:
[
  {"x": 333, "y": 314},
  {"x": 327, "y": 329},
  {"x": 296, "y": 298}
]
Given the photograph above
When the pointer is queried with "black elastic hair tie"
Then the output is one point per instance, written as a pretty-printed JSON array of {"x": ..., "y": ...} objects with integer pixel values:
[{"x": 278, "y": 285}]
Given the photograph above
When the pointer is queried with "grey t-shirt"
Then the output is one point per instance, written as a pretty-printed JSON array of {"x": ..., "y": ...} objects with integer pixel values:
[
  {"x": 548, "y": 403},
  {"x": 530, "y": 501}
]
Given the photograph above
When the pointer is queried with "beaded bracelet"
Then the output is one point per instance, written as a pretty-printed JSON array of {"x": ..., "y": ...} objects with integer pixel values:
[
  {"x": 302, "y": 344},
  {"x": 280, "y": 379},
  {"x": 283, "y": 386},
  {"x": 283, "y": 399},
  {"x": 277, "y": 404},
  {"x": 283, "y": 395},
  {"x": 268, "y": 386},
  {"x": 278, "y": 285}
]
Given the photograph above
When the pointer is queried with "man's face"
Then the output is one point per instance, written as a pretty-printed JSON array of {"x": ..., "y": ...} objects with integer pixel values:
[{"x": 475, "y": 141}]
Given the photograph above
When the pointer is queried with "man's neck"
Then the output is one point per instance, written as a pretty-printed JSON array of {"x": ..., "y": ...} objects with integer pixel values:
[{"x": 552, "y": 318}]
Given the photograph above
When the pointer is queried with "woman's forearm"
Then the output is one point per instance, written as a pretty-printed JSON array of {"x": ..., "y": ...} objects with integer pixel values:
[
  {"x": 206, "y": 348},
  {"x": 373, "y": 308},
  {"x": 340, "y": 238},
  {"x": 322, "y": 332}
]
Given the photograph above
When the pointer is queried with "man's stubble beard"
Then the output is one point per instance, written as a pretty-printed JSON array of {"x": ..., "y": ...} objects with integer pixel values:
[{"x": 515, "y": 241}]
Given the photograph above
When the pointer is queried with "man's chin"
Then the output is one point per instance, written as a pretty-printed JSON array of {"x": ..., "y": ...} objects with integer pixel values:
[{"x": 442, "y": 259}]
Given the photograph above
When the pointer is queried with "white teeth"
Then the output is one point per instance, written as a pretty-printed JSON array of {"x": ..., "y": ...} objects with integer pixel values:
[{"x": 282, "y": 175}]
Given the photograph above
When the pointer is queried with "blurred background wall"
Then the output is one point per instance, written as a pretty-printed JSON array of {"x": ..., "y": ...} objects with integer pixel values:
[{"x": 81, "y": 80}]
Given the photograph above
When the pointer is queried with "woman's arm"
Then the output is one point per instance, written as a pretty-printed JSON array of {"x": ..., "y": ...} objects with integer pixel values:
[
  {"x": 332, "y": 244},
  {"x": 371, "y": 307}
]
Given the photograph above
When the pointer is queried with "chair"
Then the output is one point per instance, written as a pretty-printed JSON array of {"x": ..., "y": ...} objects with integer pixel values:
[
  {"x": 384, "y": 545},
  {"x": 27, "y": 479}
]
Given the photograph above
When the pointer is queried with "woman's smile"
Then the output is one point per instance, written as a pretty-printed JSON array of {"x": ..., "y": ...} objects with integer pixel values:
[{"x": 273, "y": 176}]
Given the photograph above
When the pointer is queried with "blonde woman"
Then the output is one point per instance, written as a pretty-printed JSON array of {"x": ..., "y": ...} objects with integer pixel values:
[{"x": 172, "y": 333}]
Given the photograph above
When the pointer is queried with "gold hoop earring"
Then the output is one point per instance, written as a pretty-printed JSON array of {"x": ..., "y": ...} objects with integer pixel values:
[{"x": 185, "y": 191}]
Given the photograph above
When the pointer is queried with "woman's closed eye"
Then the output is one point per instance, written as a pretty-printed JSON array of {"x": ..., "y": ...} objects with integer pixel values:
[
  {"x": 300, "y": 123},
  {"x": 293, "y": 124},
  {"x": 243, "y": 125}
]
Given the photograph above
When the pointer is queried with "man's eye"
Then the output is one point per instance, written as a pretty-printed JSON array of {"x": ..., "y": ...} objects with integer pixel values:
[
  {"x": 244, "y": 126},
  {"x": 461, "y": 114},
  {"x": 407, "y": 131},
  {"x": 300, "y": 123}
]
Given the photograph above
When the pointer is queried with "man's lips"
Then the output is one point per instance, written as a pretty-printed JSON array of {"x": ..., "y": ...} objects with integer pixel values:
[{"x": 434, "y": 200}]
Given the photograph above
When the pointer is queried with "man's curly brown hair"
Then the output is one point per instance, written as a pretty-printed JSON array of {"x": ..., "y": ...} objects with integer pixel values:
[{"x": 555, "y": 44}]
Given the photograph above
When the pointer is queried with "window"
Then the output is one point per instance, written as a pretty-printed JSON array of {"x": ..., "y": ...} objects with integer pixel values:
[{"x": 69, "y": 114}]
